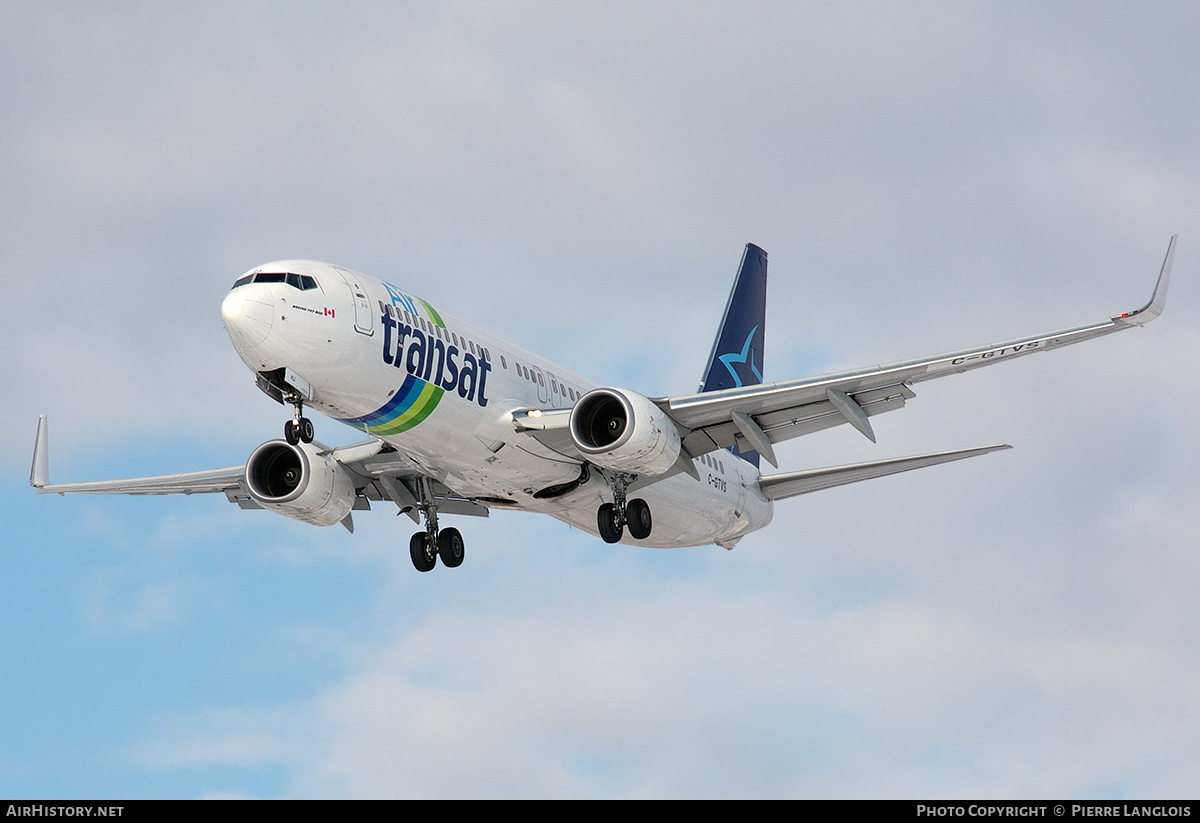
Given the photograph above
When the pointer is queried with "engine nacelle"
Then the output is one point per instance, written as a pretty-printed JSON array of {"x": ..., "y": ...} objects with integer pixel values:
[
  {"x": 299, "y": 482},
  {"x": 622, "y": 430}
]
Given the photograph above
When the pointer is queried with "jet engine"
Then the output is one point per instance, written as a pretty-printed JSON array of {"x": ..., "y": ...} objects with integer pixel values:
[
  {"x": 299, "y": 482},
  {"x": 624, "y": 431}
]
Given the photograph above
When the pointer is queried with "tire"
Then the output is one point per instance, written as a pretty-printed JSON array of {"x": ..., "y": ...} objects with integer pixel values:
[
  {"x": 450, "y": 548},
  {"x": 606, "y": 522},
  {"x": 306, "y": 430},
  {"x": 637, "y": 517},
  {"x": 291, "y": 432},
  {"x": 422, "y": 559}
]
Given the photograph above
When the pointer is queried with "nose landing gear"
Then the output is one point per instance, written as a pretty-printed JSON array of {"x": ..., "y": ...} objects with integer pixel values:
[{"x": 299, "y": 428}]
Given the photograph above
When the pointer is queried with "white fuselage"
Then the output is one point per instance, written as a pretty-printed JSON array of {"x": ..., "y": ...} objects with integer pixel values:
[{"x": 442, "y": 392}]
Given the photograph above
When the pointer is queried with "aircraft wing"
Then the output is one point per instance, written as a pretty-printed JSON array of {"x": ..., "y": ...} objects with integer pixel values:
[
  {"x": 378, "y": 472},
  {"x": 755, "y": 417},
  {"x": 213, "y": 480}
]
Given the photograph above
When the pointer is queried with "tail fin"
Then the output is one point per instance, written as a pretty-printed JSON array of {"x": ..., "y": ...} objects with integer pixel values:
[{"x": 737, "y": 353}]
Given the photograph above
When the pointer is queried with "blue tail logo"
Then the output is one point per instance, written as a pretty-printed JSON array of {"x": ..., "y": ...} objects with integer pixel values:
[
  {"x": 737, "y": 353},
  {"x": 746, "y": 358}
]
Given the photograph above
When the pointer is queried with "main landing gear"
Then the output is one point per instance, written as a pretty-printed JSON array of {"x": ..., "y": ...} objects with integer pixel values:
[
  {"x": 299, "y": 428},
  {"x": 612, "y": 518},
  {"x": 426, "y": 547}
]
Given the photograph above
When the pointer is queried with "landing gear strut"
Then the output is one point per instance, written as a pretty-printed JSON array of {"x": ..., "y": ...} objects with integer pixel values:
[
  {"x": 299, "y": 428},
  {"x": 612, "y": 518},
  {"x": 427, "y": 546}
]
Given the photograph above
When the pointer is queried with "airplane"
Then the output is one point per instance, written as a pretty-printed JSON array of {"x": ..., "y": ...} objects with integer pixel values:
[{"x": 459, "y": 421}]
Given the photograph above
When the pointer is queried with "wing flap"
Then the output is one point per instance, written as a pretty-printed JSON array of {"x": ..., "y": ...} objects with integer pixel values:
[
  {"x": 791, "y": 484},
  {"x": 795, "y": 421}
]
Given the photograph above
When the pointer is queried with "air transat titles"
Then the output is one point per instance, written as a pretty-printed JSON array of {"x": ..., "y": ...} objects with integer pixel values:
[{"x": 428, "y": 358}]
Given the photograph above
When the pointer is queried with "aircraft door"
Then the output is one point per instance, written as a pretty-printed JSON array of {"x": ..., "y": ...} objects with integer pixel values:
[
  {"x": 543, "y": 385},
  {"x": 558, "y": 397},
  {"x": 364, "y": 318}
]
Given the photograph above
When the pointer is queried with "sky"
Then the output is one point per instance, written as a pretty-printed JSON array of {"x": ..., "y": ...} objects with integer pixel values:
[{"x": 581, "y": 179}]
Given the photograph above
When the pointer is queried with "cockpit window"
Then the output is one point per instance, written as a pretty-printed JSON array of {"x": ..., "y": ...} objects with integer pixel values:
[{"x": 303, "y": 282}]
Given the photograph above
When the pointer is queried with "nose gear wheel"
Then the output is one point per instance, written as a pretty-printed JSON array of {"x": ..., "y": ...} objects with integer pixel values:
[{"x": 299, "y": 428}]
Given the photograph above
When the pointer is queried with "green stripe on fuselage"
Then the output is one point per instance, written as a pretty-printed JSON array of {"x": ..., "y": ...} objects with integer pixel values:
[
  {"x": 433, "y": 314},
  {"x": 424, "y": 405}
]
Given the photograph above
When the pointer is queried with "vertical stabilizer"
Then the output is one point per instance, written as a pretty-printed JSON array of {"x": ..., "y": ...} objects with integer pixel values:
[{"x": 737, "y": 353}]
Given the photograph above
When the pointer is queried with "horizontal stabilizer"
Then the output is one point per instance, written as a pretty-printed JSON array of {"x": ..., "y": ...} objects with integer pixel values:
[{"x": 791, "y": 484}]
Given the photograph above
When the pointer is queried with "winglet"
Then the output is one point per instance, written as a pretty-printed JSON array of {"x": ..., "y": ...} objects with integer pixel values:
[
  {"x": 39, "y": 473},
  {"x": 1157, "y": 300}
]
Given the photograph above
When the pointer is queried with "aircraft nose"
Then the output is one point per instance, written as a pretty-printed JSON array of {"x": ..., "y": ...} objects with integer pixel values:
[{"x": 247, "y": 319}]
